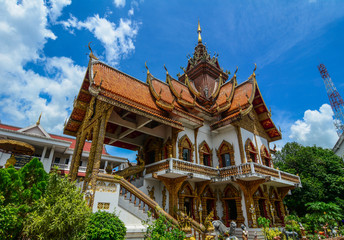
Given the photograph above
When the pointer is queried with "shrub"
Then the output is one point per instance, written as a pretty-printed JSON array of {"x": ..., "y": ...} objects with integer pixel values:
[
  {"x": 61, "y": 213},
  {"x": 162, "y": 229},
  {"x": 105, "y": 225}
]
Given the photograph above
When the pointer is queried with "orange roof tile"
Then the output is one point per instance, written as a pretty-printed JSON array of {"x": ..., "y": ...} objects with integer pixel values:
[
  {"x": 241, "y": 95},
  {"x": 225, "y": 89},
  {"x": 165, "y": 93},
  {"x": 123, "y": 85},
  {"x": 178, "y": 86}
]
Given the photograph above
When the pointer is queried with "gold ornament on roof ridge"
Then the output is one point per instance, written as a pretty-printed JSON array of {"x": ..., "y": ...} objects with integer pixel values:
[
  {"x": 91, "y": 54},
  {"x": 39, "y": 119},
  {"x": 199, "y": 30}
]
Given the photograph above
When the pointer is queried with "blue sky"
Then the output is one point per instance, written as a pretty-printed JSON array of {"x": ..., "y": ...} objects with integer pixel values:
[{"x": 43, "y": 54}]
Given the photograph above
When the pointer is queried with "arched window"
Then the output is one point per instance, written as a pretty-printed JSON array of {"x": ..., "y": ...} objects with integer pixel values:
[
  {"x": 276, "y": 206},
  {"x": 265, "y": 156},
  {"x": 187, "y": 199},
  {"x": 208, "y": 200},
  {"x": 260, "y": 199},
  {"x": 251, "y": 151},
  {"x": 225, "y": 154},
  {"x": 185, "y": 149},
  {"x": 231, "y": 202},
  {"x": 205, "y": 154}
]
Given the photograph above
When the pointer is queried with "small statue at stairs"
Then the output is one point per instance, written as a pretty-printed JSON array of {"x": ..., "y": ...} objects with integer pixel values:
[
  {"x": 244, "y": 232},
  {"x": 222, "y": 230}
]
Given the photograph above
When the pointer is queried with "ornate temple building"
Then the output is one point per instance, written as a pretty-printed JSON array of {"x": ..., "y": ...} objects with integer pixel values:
[{"x": 202, "y": 141}]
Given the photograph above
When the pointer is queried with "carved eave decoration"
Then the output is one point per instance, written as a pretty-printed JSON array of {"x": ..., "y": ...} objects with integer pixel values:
[
  {"x": 179, "y": 96},
  {"x": 217, "y": 109},
  {"x": 158, "y": 101},
  {"x": 264, "y": 115},
  {"x": 239, "y": 111}
]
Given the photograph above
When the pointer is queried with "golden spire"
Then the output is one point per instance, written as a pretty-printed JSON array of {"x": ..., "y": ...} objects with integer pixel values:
[
  {"x": 39, "y": 119},
  {"x": 199, "y": 33}
]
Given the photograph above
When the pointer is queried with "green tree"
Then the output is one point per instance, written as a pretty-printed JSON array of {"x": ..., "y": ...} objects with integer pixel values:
[
  {"x": 321, "y": 173},
  {"x": 18, "y": 191},
  {"x": 162, "y": 229},
  {"x": 61, "y": 213},
  {"x": 104, "y": 225},
  {"x": 321, "y": 213}
]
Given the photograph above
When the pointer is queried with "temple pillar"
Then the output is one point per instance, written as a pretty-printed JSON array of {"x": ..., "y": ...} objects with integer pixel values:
[
  {"x": 249, "y": 188},
  {"x": 90, "y": 161},
  {"x": 79, "y": 146},
  {"x": 172, "y": 185},
  {"x": 96, "y": 158},
  {"x": 174, "y": 142},
  {"x": 241, "y": 146},
  {"x": 195, "y": 143}
]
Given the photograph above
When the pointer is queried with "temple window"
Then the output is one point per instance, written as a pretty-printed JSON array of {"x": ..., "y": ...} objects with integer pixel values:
[
  {"x": 206, "y": 159},
  {"x": 251, "y": 151},
  {"x": 186, "y": 154},
  {"x": 67, "y": 161},
  {"x": 57, "y": 160},
  {"x": 231, "y": 202},
  {"x": 208, "y": 201},
  {"x": 265, "y": 156},
  {"x": 187, "y": 199},
  {"x": 225, "y": 154},
  {"x": 185, "y": 149},
  {"x": 226, "y": 160},
  {"x": 205, "y": 154}
]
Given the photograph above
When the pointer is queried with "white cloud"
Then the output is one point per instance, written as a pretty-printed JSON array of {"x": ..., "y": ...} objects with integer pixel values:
[
  {"x": 119, "y": 3},
  {"x": 118, "y": 41},
  {"x": 24, "y": 93},
  {"x": 23, "y": 31},
  {"x": 316, "y": 127},
  {"x": 57, "y": 7},
  {"x": 131, "y": 12}
]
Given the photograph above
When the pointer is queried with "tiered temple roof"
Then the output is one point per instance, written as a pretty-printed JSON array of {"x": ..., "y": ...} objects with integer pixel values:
[{"x": 202, "y": 93}]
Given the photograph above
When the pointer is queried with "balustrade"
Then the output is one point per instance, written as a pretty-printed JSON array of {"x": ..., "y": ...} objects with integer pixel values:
[{"x": 172, "y": 164}]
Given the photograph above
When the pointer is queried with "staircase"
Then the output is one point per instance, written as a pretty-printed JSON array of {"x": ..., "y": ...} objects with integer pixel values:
[
  {"x": 253, "y": 231},
  {"x": 137, "y": 203}
]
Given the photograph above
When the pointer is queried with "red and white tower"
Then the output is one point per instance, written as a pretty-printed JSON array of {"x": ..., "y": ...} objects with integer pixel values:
[{"x": 336, "y": 100}]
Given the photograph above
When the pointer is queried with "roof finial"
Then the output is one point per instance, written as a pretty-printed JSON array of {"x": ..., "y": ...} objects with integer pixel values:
[
  {"x": 39, "y": 119},
  {"x": 199, "y": 33},
  {"x": 91, "y": 54}
]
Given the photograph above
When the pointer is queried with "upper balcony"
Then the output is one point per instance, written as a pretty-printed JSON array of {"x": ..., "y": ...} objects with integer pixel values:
[{"x": 173, "y": 168}]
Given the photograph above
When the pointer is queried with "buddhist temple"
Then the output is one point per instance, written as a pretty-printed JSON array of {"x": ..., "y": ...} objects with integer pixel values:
[{"x": 202, "y": 143}]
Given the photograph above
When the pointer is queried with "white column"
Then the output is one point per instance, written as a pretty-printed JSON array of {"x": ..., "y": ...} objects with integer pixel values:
[
  {"x": 70, "y": 160},
  {"x": 47, "y": 163},
  {"x": 105, "y": 165},
  {"x": 43, "y": 153}
]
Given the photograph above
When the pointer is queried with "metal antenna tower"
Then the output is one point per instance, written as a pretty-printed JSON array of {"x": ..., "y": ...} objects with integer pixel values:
[{"x": 336, "y": 100}]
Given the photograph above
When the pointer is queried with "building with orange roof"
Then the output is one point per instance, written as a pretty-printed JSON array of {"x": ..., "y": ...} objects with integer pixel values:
[{"x": 202, "y": 141}]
